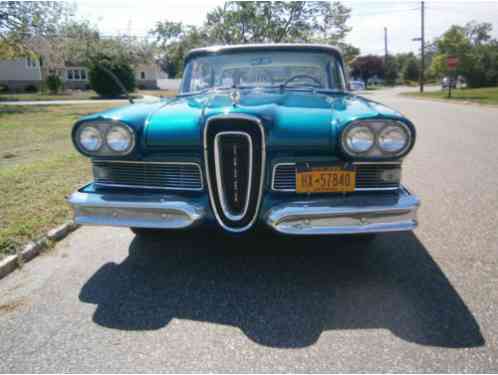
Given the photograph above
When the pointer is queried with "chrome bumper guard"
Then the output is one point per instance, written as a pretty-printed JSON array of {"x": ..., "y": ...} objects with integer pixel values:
[
  {"x": 370, "y": 213},
  {"x": 148, "y": 211}
]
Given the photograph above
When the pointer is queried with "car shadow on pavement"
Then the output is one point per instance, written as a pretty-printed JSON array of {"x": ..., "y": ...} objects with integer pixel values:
[{"x": 283, "y": 291}]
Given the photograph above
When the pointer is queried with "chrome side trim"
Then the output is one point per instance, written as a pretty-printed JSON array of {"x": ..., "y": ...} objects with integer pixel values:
[
  {"x": 127, "y": 210},
  {"x": 217, "y": 166},
  {"x": 354, "y": 216},
  {"x": 354, "y": 163},
  {"x": 151, "y": 187},
  {"x": 258, "y": 122}
]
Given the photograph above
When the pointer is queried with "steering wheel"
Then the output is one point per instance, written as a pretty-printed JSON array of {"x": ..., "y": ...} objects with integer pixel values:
[{"x": 301, "y": 76}]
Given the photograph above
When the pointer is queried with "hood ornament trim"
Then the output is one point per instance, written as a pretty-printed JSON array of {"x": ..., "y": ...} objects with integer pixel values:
[{"x": 235, "y": 97}]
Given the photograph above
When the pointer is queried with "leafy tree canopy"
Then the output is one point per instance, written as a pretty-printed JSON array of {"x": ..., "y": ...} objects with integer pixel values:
[
  {"x": 23, "y": 21},
  {"x": 367, "y": 66},
  {"x": 239, "y": 22},
  {"x": 476, "y": 51}
]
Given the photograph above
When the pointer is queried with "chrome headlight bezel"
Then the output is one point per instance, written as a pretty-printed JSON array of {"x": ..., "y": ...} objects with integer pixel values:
[
  {"x": 79, "y": 137},
  {"x": 402, "y": 129},
  {"x": 378, "y": 127},
  {"x": 103, "y": 127},
  {"x": 356, "y": 129},
  {"x": 123, "y": 128}
]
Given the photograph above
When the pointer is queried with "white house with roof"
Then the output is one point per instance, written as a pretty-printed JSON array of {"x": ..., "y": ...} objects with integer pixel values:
[
  {"x": 22, "y": 73},
  {"x": 18, "y": 74}
]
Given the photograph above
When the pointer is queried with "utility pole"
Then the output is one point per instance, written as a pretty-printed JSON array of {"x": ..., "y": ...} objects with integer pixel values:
[
  {"x": 422, "y": 50},
  {"x": 385, "y": 44}
]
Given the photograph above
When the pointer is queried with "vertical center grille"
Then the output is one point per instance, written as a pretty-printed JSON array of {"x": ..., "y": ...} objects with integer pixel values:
[
  {"x": 233, "y": 164},
  {"x": 234, "y": 155}
]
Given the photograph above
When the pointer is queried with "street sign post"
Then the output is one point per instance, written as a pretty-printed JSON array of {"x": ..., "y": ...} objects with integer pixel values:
[{"x": 452, "y": 63}]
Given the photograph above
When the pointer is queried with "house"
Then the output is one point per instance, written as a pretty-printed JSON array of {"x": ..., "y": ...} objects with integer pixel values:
[
  {"x": 20, "y": 74},
  {"x": 24, "y": 73}
]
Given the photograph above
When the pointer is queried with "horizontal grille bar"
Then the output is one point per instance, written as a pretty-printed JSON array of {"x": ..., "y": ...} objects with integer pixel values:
[
  {"x": 149, "y": 175},
  {"x": 369, "y": 176}
]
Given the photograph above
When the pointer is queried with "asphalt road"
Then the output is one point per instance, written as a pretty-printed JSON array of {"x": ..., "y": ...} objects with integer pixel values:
[{"x": 105, "y": 300}]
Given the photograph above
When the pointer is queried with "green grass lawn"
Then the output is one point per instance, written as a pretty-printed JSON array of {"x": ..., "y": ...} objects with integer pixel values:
[
  {"x": 487, "y": 95},
  {"x": 67, "y": 95},
  {"x": 38, "y": 168}
]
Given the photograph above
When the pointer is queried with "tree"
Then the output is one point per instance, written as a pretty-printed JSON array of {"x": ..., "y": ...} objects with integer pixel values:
[
  {"x": 174, "y": 40},
  {"x": 477, "y": 54},
  {"x": 102, "y": 82},
  {"x": 478, "y": 33},
  {"x": 21, "y": 21},
  {"x": 278, "y": 22},
  {"x": 410, "y": 69},
  {"x": 349, "y": 52},
  {"x": 367, "y": 67},
  {"x": 391, "y": 70},
  {"x": 239, "y": 22},
  {"x": 54, "y": 83}
]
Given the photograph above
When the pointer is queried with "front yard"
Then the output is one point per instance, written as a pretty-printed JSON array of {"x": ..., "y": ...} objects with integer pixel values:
[
  {"x": 66, "y": 95},
  {"x": 38, "y": 168},
  {"x": 487, "y": 95},
  {"x": 76, "y": 95}
]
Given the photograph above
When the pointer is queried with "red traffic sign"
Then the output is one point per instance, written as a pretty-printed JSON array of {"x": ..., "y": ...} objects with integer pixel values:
[{"x": 452, "y": 62}]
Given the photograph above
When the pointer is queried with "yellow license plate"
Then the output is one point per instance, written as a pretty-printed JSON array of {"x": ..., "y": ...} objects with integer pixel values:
[{"x": 325, "y": 180}]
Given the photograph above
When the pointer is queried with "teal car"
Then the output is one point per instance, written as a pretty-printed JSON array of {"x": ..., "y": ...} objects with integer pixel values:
[{"x": 257, "y": 135}]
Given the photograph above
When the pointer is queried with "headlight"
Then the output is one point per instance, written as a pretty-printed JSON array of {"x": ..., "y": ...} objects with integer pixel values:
[
  {"x": 359, "y": 139},
  {"x": 90, "y": 139},
  {"x": 119, "y": 139},
  {"x": 393, "y": 139},
  {"x": 104, "y": 138},
  {"x": 377, "y": 138}
]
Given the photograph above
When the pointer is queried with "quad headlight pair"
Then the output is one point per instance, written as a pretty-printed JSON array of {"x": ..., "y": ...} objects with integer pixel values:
[
  {"x": 376, "y": 138},
  {"x": 104, "y": 138}
]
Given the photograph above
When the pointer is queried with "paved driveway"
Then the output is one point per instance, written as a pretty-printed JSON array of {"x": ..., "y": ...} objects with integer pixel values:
[{"x": 105, "y": 300}]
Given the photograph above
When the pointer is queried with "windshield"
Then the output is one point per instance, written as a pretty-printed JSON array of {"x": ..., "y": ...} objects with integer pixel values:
[{"x": 263, "y": 69}]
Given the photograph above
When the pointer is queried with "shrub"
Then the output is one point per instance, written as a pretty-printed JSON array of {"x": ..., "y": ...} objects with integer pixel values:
[
  {"x": 102, "y": 82},
  {"x": 4, "y": 88},
  {"x": 31, "y": 88},
  {"x": 54, "y": 83}
]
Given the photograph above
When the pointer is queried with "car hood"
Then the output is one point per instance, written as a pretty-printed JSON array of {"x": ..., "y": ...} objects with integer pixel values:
[{"x": 292, "y": 120}]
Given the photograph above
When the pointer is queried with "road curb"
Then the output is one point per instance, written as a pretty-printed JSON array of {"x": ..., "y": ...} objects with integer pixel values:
[{"x": 35, "y": 248}]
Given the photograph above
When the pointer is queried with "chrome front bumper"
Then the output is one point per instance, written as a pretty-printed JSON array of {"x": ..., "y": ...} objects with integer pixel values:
[
  {"x": 370, "y": 213},
  {"x": 133, "y": 210},
  {"x": 349, "y": 214}
]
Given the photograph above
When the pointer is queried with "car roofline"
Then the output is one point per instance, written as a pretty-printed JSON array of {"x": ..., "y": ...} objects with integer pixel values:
[{"x": 220, "y": 49}]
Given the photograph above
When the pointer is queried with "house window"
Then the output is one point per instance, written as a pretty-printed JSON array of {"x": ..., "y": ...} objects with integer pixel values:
[
  {"x": 76, "y": 75},
  {"x": 31, "y": 63},
  {"x": 142, "y": 75}
]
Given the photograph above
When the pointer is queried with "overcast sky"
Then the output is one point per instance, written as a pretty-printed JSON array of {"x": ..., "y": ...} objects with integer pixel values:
[{"x": 368, "y": 18}]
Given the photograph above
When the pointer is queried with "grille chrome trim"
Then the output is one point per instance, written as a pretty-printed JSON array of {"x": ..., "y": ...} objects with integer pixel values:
[
  {"x": 290, "y": 176},
  {"x": 153, "y": 181},
  {"x": 257, "y": 121},
  {"x": 217, "y": 166}
]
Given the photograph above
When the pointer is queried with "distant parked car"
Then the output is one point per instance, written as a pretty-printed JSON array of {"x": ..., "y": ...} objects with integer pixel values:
[
  {"x": 258, "y": 134},
  {"x": 374, "y": 81},
  {"x": 445, "y": 82},
  {"x": 357, "y": 85}
]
